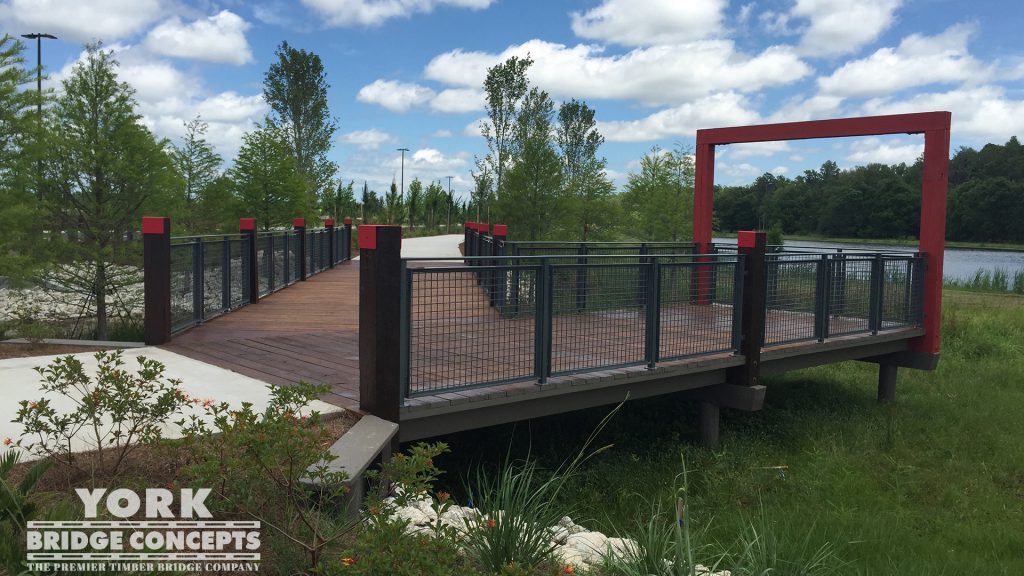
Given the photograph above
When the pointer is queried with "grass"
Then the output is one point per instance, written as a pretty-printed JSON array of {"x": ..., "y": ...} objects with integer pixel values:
[
  {"x": 996, "y": 280},
  {"x": 933, "y": 484},
  {"x": 894, "y": 242}
]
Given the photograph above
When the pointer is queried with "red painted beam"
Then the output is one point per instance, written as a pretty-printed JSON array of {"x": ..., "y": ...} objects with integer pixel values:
[{"x": 836, "y": 128}]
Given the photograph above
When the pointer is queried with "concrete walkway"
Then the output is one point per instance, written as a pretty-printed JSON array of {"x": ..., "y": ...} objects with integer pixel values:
[
  {"x": 19, "y": 381},
  {"x": 446, "y": 246}
]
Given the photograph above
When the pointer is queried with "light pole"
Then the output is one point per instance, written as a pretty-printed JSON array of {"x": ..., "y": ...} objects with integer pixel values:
[
  {"x": 401, "y": 193},
  {"x": 448, "y": 227},
  {"x": 38, "y": 37}
]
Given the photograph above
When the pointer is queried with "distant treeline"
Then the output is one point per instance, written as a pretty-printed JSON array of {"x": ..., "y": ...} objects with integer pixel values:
[{"x": 986, "y": 199}]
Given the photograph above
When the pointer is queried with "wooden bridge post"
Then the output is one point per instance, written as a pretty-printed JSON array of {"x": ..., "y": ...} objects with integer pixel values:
[
  {"x": 752, "y": 246},
  {"x": 346, "y": 239},
  {"x": 300, "y": 226},
  {"x": 380, "y": 281},
  {"x": 156, "y": 258},
  {"x": 250, "y": 262},
  {"x": 331, "y": 241}
]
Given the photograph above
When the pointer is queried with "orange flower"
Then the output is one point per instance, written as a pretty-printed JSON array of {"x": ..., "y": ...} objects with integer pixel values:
[
  {"x": 568, "y": 569},
  {"x": 430, "y": 461},
  {"x": 207, "y": 403},
  {"x": 374, "y": 509},
  {"x": 8, "y": 441},
  {"x": 491, "y": 523},
  {"x": 443, "y": 496},
  {"x": 348, "y": 561}
]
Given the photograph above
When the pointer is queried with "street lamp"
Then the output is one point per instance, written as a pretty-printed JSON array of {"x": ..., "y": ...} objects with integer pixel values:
[
  {"x": 401, "y": 193},
  {"x": 38, "y": 37}
]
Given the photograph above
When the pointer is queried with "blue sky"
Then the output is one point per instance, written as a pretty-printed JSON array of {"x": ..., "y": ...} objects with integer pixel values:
[{"x": 407, "y": 73}]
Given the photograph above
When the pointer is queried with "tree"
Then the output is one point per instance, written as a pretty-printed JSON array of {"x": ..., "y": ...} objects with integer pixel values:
[
  {"x": 587, "y": 195},
  {"x": 266, "y": 179},
  {"x": 660, "y": 196},
  {"x": 18, "y": 155},
  {"x": 483, "y": 189},
  {"x": 505, "y": 87},
  {"x": 295, "y": 87},
  {"x": 105, "y": 168},
  {"x": 434, "y": 200},
  {"x": 531, "y": 190},
  {"x": 393, "y": 206},
  {"x": 198, "y": 166},
  {"x": 340, "y": 201},
  {"x": 415, "y": 201}
]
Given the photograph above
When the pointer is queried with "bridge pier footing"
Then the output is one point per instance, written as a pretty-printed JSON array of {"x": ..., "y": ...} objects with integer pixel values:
[
  {"x": 709, "y": 419},
  {"x": 887, "y": 383}
]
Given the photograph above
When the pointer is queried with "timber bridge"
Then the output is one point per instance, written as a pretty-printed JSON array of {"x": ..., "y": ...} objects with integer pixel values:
[{"x": 513, "y": 330}]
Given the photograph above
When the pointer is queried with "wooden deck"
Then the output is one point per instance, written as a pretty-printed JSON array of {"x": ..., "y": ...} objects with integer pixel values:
[{"x": 309, "y": 332}]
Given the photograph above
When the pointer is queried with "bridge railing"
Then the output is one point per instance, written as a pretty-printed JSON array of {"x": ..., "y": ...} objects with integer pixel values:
[
  {"x": 492, "y": 319},
  {"x": 191, "y": 279}
]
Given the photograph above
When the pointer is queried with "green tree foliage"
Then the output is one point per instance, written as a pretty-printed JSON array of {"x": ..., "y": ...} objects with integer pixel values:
[
  {"x": 394, "y": 207},
  {"x": 415, "y": 202},
  {"x": 589, "y": 210},
  {"x": 18, "y": 206},
  {"x": 434, "y": 204},
  {"x": 199, "y": 167},
  {"x": 266, "y": 180},
  {"x": 659, "y": 198},
  {"x": 505, "y": 87},
  {"x": 340, "y": 202},
  {"x": 295, "y": 87},
  {"x": 104, "y": 169},
  {"x": 482, "y": 194},
  {"x": 533, "y": 182}
]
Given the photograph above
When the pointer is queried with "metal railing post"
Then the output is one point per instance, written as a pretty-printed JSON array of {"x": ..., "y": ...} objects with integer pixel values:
[
  {"x": 542, "y": 329},
  {"x": 582, "y": 274},
  {"x": 641, "y": 284},
  {"x": 198, "y": 281},
  {"x": 287, "y": 258},
  {"x": 225, "y": 275},
  {"x": 737, "y": 303},
  {"x": 346, "y": 239},
  {"x": 156, "y": 270},
  {"x": 268, "y": 254},
  {"x": 405, "y": 328},
  {"x": 652, "y": 308},
  {"x": 329, "y": 227}
]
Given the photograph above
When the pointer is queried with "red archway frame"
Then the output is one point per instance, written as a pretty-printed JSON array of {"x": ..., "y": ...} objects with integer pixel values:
[{"x": 934, "y": 126}]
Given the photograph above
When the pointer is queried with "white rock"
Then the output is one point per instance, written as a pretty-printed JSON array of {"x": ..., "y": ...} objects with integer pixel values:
[
  {"x": 622, "y": 547},
  {"x": 591, "y": 545},
  {"x": 412, "y": 515},
  {"x": 570, "y": 556}
]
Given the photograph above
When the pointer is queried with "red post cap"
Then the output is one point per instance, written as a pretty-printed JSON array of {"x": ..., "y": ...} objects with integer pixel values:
[
  {"x": 245, "y": 224},
  {"x": 469, "y": 225},
  {"x": 368, "y": 235},
  {"x": 747, "y": 238},
  {"x": 501, "y": 230},
  {"x": 329, "y": 222},
  {"x": 156, "y": 225},
  {"x": 483, "y": 227},
  {"x": 299, "y": 222},
  {"x": 347, "y": 221}
]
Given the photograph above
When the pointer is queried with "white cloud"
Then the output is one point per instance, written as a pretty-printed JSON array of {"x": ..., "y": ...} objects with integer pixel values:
[
  {"x": 219, "y": 38},
  {"x": 799, "y": 109},
  {"x": 983, "y": 112},
  {"x": 724, "y": 109},
  {"x": 917, "y": 61},
  {"x": 779, "y": 170},
  {"x": 751, "y": 149},
  {"x": 651, "y": 22},
  {"x": 443, "y": 134},
  {"x": 878, "y": 151},
  {"x": 842, "y": 26},
  {"x": 81, "y": 21},
  {"x": 744, "y": 172},
  {"x": 655, "y": 76},
  {"x": 369, "y": 139},
  {"x": 458, "y": 100},
  {"x": 378, "y": 168},
  {"x": 376, "y": 12},
  {"x": 395, "y": 96}
]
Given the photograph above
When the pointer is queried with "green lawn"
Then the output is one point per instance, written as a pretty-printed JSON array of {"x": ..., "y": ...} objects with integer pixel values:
[{"x": 931, "y": 485}]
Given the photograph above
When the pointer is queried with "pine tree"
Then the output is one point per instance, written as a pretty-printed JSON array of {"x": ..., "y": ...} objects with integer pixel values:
[{"x": 198, "y": 166}]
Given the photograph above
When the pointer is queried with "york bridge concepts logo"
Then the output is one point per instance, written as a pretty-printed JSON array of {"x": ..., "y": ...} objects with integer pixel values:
[{"x": 152, "y": 533}]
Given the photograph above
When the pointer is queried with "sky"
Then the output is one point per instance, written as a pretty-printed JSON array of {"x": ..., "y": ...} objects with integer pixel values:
[{"x": 409, "y": 73}]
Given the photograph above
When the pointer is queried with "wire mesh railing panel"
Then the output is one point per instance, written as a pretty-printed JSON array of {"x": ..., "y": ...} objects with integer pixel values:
[
  {"x": 264, "y": 258},
  {"x": 791, "y": 297},
  {"x": 901, "y": 301},
  {"x": 457, "y": 339},
  {"x": 697, "y": 309},
  {"x": 610, "y": 331},
  {"x": 849, "y": 294},
  {"x": 239, "y": 287},
  {"x": 182, "y": 315},
  {"x": 278, "y": 255},
  {"x": 213, "y": 277}
]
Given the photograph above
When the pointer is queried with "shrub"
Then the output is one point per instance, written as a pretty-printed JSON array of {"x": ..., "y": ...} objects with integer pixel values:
[
  {"x": 113, "y": 412},
  {"x": 271, "y": 465}
]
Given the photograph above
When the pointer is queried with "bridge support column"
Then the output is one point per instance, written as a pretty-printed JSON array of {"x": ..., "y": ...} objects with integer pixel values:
[
  {"x": 709, "y": 419},
  {"x": 156, "y": 258},
  {"x": 380, "y": 287},
  {"x": 887, "y": 383}
]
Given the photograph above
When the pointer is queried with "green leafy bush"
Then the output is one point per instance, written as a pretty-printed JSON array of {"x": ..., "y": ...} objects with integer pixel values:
[{"x": 114, "y": 412}]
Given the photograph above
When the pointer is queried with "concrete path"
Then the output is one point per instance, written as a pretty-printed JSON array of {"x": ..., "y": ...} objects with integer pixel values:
[
  {"x": 446, "y": 246},
  {"x": 19, "y": 381}
]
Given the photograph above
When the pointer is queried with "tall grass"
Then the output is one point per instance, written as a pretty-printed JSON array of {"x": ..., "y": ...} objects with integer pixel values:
[{"x": 995, "y": 280}]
